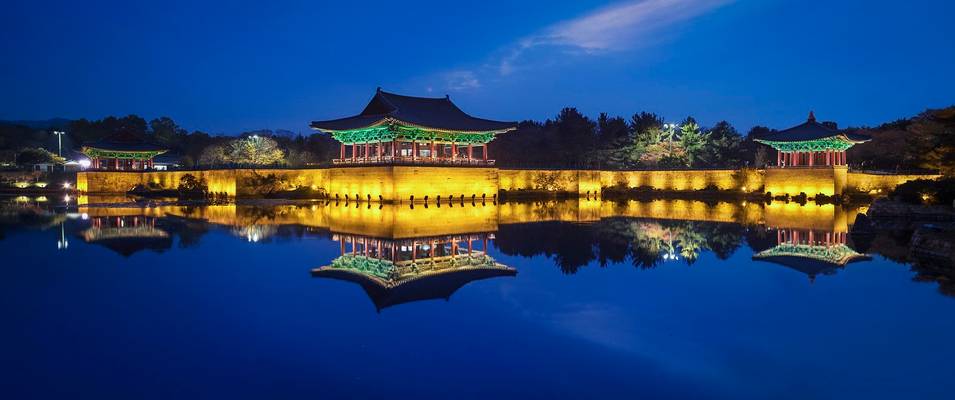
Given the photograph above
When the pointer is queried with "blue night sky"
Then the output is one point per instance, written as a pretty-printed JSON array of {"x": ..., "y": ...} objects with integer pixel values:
[{"x": 227, "y": 67}]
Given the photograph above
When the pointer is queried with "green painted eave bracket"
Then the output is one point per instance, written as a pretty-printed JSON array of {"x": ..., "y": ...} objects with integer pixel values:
[
  {"x": 835, "y": 143},
  {"x": 388, "y": 133}
]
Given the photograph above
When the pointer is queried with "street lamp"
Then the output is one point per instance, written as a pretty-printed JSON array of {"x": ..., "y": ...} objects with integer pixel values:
[{"x": 59, "y": 142}]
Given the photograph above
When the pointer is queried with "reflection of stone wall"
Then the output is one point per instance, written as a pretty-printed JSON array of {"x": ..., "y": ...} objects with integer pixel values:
[
  {"x": 407, "y": 221},
  {"x": 399, "y": 183}
]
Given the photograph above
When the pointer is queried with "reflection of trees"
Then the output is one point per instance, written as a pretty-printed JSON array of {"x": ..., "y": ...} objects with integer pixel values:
[{"x": 646, "y": 243}]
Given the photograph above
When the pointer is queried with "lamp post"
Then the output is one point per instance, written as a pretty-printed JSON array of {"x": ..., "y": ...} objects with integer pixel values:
[
  {"x": 59, "y": 145},
  {"x": 59, "y": 142}
]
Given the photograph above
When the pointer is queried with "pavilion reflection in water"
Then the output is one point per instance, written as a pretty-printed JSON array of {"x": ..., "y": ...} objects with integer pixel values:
[
  {"x": 397, "y": 271},
  {"x": 811, "y": 252},
  {"x": 126, "y": 234}
]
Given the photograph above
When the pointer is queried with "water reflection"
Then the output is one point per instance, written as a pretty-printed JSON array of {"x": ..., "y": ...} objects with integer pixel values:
[
  {"x": 397, "y": 271},
  {"x": 811, "y": 252},
  {"x": 126, "y": 234},
  {"x": 811, "y": 239}
]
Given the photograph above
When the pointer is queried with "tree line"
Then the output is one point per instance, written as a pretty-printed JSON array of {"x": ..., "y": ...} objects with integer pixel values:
[
  {"x": 569, "y": 140},
  {"x": 645, "y": 140}
]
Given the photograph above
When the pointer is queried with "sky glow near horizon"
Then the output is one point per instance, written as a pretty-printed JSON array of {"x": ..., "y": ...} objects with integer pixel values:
[{"x": 278, "y": 66}]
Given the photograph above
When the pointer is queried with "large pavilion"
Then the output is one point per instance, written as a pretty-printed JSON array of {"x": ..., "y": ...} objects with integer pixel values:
[
  {"x": 122, "y": 151},
  {"x": 811, "y": 144},
  {"x": 398, "y": 271},
  {"x": 395, "y": 129}
]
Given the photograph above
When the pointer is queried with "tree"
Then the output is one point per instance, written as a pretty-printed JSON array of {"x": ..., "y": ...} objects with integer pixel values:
[
  {"x": 255, "y": 150},
  {"x": 191, "y": 187},
  {"x": 750, "y": 148},
  {"x": 214, "y": 155},
  {"x": 576, "y": 135},
  {"x": 38, "y": 155},
  {"x": 723, "y": 147},
  {"x": 644, "y": 121},
  {"x": 611, "y": 130},
  {"x": 167, "y": 132},
  {"x": 693, "y": 141}
]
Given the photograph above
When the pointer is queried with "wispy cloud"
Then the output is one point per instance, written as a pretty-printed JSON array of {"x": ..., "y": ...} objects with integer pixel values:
[
  {"x": 619, "y": 27},
  {"x": 461, "y": 80}
]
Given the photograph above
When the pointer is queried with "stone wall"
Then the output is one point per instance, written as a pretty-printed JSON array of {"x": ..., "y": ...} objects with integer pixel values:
[
  {"x": 581, "y": 182},
  {"x": 727, "y": 179},
  {"x": 811, "y": 181},
  {"x": 400, "y": 183},
  {"x": 879, "y": 183}
]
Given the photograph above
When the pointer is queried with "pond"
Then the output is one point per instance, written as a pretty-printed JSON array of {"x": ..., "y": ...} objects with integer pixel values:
[{"x": 561, "y": 299}]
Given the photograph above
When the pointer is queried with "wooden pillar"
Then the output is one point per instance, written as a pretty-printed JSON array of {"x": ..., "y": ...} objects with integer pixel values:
[
  {"x": 432, "y": 150},
  {"x": 470, "y": 154},
  {"x": 354, "y": 151},
  {"x": 812, "y": 158},
  {"x": 484, "y": 147},
  {"x": 367, "y": 148},
  {"x": 394, "y": 148},
  {"x": 454, "y": 151},
  {"x": 342, "y": 152},
  {"x": 414, "y": 150},
  {"x": 779, "y": 158}
]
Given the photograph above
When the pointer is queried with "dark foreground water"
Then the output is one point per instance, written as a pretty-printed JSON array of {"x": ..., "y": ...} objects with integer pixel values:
[{"x": 637, "y": 300}]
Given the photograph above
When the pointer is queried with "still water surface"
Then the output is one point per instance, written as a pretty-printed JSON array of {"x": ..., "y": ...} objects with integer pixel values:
[{"x": 664, "y": 299}]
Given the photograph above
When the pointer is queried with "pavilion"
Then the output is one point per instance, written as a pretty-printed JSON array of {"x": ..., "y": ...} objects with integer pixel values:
[
  {"x": 398, "y": 271},
  {"x": 127, "y": 234},
  {"x": 811, "y": 144},
  {"x": 123, "y": 152},
  {"x": 811, "y": 252},
  {"x": 397, "y": 129}
]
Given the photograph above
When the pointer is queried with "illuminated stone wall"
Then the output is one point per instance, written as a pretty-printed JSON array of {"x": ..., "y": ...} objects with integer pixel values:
[
  {"x": 879, "y": 183},
  {"x": 811, "y": 181},
  {"x": 573, "y": 181},
  {"x": 444, "y": 182},
  {"x": 728, "y": 179},
  {"x": 219, "y": 181},
  {"x": 399, "y": 183}
]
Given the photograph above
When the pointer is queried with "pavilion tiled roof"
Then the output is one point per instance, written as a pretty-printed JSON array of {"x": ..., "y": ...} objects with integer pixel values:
[
  {"x": 426, "y": 287},
  {"x": 422, "y": 112},
  {"x": 125, "y": 141},
  {"x": 811, "y": 130}
]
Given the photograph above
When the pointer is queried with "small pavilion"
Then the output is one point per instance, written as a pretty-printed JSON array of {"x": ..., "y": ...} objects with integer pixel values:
[
  {"x": 127, "y": 234},
  {"x": 811, "y": 144},
  {"x": 811, "y": 252},
  {"x": 395, "y": 129},
  {"x": 122, "y": 152}
]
